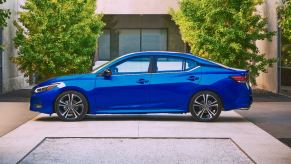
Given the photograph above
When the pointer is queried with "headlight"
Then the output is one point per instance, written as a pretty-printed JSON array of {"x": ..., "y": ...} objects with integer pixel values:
[{"x": 49, "y": 87}]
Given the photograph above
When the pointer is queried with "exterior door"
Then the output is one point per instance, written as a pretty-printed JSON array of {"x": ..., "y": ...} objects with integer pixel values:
[
  {"x": 126, "y": 89},
  {"x": 173, "y": 82}
]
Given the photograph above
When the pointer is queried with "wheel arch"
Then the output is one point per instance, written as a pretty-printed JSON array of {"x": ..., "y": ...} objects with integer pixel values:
[
  {"x": 206, "y": 90},
  {"x": 76, "y": 89}
]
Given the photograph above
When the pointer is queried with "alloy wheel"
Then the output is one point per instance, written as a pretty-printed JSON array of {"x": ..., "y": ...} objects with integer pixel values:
[
  {"x": 71, "y": 106},
  {"x": 206, "y": 107}
]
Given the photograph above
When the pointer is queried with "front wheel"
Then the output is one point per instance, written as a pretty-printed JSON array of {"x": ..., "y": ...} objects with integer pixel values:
[
  {"x": 71, "y": 106},
  {"x": 205, "y": 106}
]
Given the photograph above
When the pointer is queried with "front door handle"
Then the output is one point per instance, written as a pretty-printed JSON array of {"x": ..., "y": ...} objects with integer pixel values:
[
  {"x": 142, "y": 81},
  {"x": 193, "y": 78}
]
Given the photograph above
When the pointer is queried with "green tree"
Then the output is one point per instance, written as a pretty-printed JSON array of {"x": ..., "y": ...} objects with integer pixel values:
[
  {"x": 285, "y": 25},
  {"x": 56, "y": 37},
  {"x": 224, "y": 31},
  {"x": 4, "y": 14},
  {"x": 285, "y": 21}
]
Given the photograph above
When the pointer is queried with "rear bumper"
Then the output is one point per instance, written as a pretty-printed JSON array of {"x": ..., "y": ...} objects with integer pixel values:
[{"x": 240, "y": 98}]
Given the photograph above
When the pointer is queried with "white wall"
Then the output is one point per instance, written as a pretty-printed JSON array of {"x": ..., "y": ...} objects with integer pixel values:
[
  {"x": 12, "y": 78},
  {"x": 269, "y": 80},
  {"x": 135, "y": 6}
]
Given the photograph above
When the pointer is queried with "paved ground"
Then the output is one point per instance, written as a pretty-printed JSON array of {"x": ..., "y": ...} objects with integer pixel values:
[
  {"x": 19, "y": 114},
  {"x": 14, "y": 110},
  {"x": 260, "y": 95},
  {"x": 137, "y": 150},
  {"x": 271, "y": 112},
  {"x": 256, "y": 143},
  {"x": 13, "y": 114},
  {"x": 273, "y": 117}
]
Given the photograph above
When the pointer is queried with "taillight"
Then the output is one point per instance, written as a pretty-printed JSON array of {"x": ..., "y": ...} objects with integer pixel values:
[{"x": 240, "y": 78}]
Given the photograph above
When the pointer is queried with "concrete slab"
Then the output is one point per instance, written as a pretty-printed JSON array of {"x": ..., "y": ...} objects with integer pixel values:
[
  {"x": 256, "y": 143},
  {"x": 14, "y": 114},
  {"x": 273, "y": 117},
  {"x": 136, "y": 150}
]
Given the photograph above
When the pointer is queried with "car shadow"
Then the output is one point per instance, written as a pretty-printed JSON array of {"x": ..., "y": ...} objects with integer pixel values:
[{"x": 143, "y": 117}]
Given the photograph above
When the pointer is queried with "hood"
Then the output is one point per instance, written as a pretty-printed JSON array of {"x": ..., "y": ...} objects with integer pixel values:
[{"x": 62, "y": 78}]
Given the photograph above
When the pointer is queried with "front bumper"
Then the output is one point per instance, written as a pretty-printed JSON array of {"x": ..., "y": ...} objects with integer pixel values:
[
  {"x": 244, "y": 108},
  {"x": 43, "y": 102}
]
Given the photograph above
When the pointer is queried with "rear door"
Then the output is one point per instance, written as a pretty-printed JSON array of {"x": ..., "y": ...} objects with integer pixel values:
[{"x": 173, "y": 82}]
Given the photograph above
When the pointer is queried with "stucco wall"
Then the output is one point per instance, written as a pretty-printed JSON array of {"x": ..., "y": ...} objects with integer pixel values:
[
  {"x": 12, "y": 78},
  {"x": 269, "y": 80},
  {"x": 135, "y": 6}
]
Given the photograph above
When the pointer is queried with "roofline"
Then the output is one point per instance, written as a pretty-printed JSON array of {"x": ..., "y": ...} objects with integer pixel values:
[{"x": 200, "y": 60}]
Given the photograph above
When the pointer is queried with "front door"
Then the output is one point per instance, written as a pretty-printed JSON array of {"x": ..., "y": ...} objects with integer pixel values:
[{"x": 127, "y": 89}]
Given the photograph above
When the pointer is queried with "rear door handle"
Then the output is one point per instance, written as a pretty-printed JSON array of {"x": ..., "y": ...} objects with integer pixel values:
[
  {"x": 142, "y": 81},
  {"x": 193, "y": 78}
]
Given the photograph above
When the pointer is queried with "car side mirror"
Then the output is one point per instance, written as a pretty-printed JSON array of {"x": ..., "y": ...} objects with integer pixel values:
[{"x": 107, "y": 73}]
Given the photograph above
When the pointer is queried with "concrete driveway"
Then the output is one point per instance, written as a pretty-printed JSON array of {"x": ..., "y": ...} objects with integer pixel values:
[
  {"x": 273, "y": 117},
  {"x": 14, "y": 114},
  {"x": 46, "y": 139}
]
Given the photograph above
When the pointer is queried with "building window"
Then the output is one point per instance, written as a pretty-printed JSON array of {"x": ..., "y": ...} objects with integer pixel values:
[
  {"x": 124, "y": 41},
  {"x": 134, "y": 40},
  {"x": 129, "y": 41},
  {"x": 154, "y": 40},
  {"x": 104, "y": 45}
]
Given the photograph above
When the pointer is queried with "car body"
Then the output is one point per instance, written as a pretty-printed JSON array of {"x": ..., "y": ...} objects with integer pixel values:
[{"x": 148, "y": 82}]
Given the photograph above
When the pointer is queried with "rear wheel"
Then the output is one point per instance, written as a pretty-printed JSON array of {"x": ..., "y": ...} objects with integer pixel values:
[
  {"x": 205, "y": 106},
  {"x": 71, "y": 106}
]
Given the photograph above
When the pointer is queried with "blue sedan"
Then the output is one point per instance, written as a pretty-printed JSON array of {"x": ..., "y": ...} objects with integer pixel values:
[{"x": 146, "y": 82}]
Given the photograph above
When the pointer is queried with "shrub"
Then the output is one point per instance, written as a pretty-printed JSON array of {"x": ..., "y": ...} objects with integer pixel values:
[
  {"x": 224, "y": 31},
  {"x": 56, "y": 37}
]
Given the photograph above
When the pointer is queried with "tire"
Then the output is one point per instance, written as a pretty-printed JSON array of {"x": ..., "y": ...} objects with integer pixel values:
[
  {"x": 205, "y": 112},
  {"x": 71, "y": 106}
]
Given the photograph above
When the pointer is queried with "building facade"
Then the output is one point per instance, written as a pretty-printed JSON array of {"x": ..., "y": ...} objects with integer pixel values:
[
  {"x": 145, "y": 25},
  {"x": 133, "y": 26},
  {"x": 271, "y": 80},
  {"x": 10, "y": 77}
]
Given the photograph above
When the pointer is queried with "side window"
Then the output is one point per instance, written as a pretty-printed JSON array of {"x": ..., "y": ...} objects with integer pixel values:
[
  {"x": 174, "y": 64},
  {"x": 132, "y": 65}
]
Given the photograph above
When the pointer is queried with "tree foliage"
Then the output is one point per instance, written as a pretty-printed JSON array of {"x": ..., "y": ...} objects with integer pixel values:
[
  {"x": 285, "y": 18},
  {"x": 56, "y": 37},
  {"x": 285, "y": 25},
  {"x": 4, "y": 14},
  {"x": 224, "y": 31}
]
